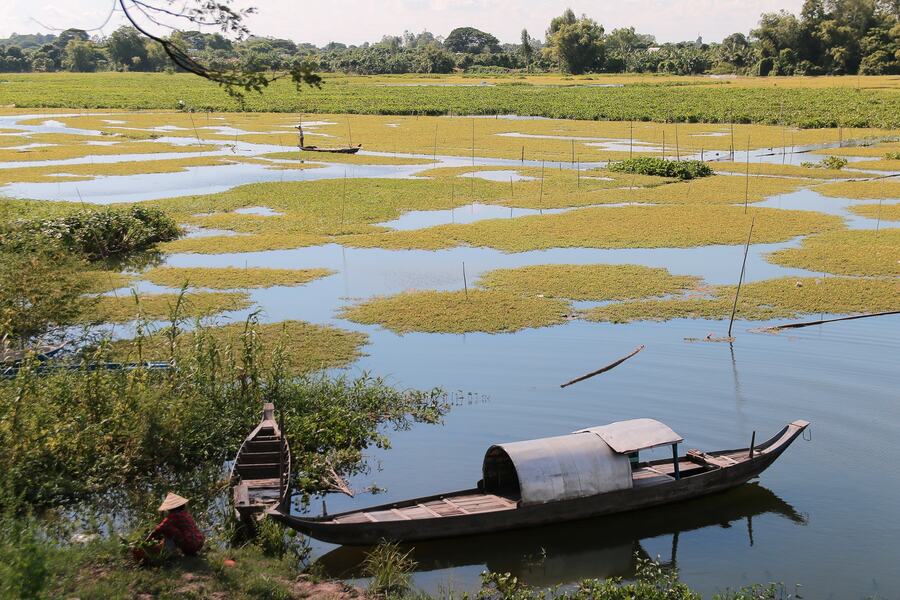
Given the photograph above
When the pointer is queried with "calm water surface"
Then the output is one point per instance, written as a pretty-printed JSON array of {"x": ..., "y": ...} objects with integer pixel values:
[{"x": 823, "y": 516}]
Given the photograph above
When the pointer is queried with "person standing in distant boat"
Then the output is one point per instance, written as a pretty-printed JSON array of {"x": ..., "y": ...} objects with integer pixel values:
[{"x": 300, "y": 129}]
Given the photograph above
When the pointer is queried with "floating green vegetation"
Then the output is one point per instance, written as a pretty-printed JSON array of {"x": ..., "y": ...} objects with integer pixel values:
[
  {"x": 718, "y": 189},
  {"x": 13, "y": 209},
  {"x": 588, "y": 282},
  {"x": 24, "y": 138},
  {"x": 848, "y": 252},
  {"x": 490, "y": 311},
  {"x": 305, "y": 347},
  {"x": 99, "y": 282},
  {"x": 882, "y": 164},
  {"x": 885, "y": 212},
  {"x": 88, "y": 171},
  {"x": 648, "y": 165},
  {"x": 613, "y": 227},
  {"x": 120, "y": 309},
  {"x": 80, "y": 150},
  {"x": 873, "y": 150},
  {"x": 227, "y": 244},
  {"x": 351, "y": 159},
  {"x": 761, "y": 168},
  {"x": 770, "y": 299},
  {"x": 870, "y": 188},
  {"x": 231, "y": 278}
]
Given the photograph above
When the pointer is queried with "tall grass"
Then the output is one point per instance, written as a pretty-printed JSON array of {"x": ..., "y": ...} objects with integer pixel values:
[
  {"x": 389, "y": 569},
  {"x": 84, "y": 432}
]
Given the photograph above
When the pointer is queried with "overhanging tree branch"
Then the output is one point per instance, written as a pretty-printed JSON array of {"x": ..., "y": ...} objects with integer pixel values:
[{"x": 236, "y": 80}]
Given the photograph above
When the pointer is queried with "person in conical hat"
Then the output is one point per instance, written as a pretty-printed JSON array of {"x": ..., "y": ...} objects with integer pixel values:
[{"x": 177, "y": 529}]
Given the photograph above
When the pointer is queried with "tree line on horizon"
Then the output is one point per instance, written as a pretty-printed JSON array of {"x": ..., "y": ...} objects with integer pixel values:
[{"x": 828, "y": 37}]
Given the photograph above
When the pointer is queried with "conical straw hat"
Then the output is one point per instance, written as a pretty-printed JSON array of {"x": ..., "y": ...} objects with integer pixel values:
[{"x": 172, "y": 501}]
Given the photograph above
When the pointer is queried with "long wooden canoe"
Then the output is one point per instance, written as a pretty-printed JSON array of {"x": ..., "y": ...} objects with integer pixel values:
[
  {"x": 347, "y": 150},
  {"x": 261, "y": 474},
  {"x": 512, "y": 496}
]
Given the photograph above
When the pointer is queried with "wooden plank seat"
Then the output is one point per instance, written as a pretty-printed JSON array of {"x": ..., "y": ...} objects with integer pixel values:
[
  {"x": 715, "y": 461},
  {"x": 445, "y": 507},
  {"x": 241, "y": 494}
]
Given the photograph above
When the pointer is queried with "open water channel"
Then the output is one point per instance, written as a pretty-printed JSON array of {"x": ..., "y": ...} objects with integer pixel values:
[{"x": 824, "y": 516}]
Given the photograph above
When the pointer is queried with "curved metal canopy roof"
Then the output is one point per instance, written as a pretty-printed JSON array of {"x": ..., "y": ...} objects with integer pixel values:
[
  {"x": 637, "y": 434},
  {"x": 560, "y": 468}
]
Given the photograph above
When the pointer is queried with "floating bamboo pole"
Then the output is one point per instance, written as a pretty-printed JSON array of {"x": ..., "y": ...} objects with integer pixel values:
[
  {"x": 823, "y": 321},
  {"x": 611, "y": 365}
]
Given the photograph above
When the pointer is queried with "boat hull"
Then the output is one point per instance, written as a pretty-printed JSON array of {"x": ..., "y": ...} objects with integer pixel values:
[
  {"x": 351, "y": 150},
  {"x": 523, "y": 516}
]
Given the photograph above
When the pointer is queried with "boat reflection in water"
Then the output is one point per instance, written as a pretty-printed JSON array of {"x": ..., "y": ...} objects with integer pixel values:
[{"x": 594, "y": 548}]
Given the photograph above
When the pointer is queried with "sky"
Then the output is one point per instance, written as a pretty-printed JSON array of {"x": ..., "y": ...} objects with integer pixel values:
[{"x": 357, "y": 21}]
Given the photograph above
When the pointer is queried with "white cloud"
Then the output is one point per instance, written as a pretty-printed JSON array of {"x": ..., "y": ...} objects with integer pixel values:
[{"x": 356, "y": 21}]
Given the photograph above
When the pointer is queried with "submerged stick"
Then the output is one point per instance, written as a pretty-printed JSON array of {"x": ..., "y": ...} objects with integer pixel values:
[
  {"x": 823, "y": 321},
  {"x": 630, "y": 139},
  {"x": 741, "y": 278},
  {"x": 541, "y": 195},
  {"x": 611, "y": 365},
  {"x": 434, "y": 156},
  {"x": 465, "y": 283},
  {"x": 677, "y": 150}
]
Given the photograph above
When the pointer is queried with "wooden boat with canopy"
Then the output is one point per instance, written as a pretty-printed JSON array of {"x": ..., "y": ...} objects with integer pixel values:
[
  {"x": 261, "y": 474},
  {"x": 587, "y": 473}
]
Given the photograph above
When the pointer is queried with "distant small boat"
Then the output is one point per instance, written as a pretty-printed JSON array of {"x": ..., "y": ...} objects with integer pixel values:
[
  {"x": 587, "y": 473},
  {"x": 304, "y": 148},
  {"x": 348, "y": 150},
  {"x": 261, "y": 474}
]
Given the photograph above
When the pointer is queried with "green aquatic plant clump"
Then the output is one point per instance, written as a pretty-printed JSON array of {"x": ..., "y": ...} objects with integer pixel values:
[
  {"x": 307, "y": 347},
  {"x": 788, "y": 297},
  {"x": 490, "y": 311},
  {"x": 678, "y": 226},
  {"x": 660, "y": 167},
  {"x": 884, "y": 212},
  {"x": 588, "y": 282},
  {"x": 850, "y": 252},
  {"x": 121, "y": 309},
  {"x": 231, "y": 278}
]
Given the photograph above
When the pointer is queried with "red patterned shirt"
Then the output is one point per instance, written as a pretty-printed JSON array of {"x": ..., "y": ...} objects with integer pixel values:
[{"x": 180, "y": 527}]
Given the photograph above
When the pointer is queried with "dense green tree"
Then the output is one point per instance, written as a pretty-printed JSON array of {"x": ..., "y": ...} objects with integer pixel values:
[
  {"x": 471, "y": 41},
  {"x": 735, "y": 50},
  {"x": 622, "y": 46},
  {"x": 526, "y": 48},
  {"x": 81, "y": 56},
  {"x": 434, "y": 59},
  {"x": 71, "y": 34},
  {"x": 126, "y": 49},
  {"x": 576, "y": 43}
]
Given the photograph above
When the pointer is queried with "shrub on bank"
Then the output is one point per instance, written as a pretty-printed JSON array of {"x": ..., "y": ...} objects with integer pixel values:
[
  {"x": 648, "y": 165},
  {"x": 92, "y": 234}
]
